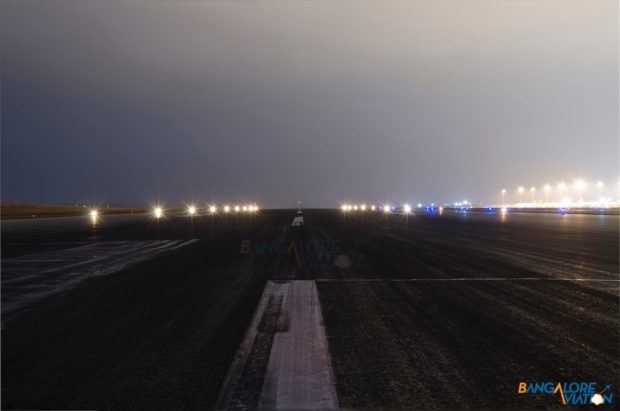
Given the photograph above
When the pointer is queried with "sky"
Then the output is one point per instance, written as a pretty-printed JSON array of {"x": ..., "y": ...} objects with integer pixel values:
[{"x": 108, "y": 102}]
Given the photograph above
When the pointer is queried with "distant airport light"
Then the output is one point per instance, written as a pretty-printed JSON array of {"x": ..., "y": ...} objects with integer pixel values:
[
  {"x": 213, "y": 209},
  {"x": 227, "y": 209},
  {"x": 94, "y": 214},
  {"x": 237, "y": 208},
  {"x": 561, "y": 187},
  {"x": 504, "y": 210},
  {"x": 372, "y": 207},
  {"x": 386, "y": 208},
  {"x": 520, "y": 189},
  {"x": 363, "y": 207},
  {"x": 419, "y": 205},
  {"x": 355, "y": 207},
  {"x": 407, "y": 208},
  {"x": 158, "y": 212},
  {"x": 580, "y": 185},
  {"x": 343, "y": 207},
  {"x": 191, "y": 210},
  {"x": 547, "y": 187},
  {"x": 600, "y": 184},
  {"x": 245, "y": 208}
]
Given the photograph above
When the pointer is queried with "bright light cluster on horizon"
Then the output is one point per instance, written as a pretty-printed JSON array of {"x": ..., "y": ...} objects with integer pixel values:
[{"x": 576, "y": 193}]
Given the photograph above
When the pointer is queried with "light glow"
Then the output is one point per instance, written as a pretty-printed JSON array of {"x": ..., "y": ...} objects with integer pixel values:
[
  {"x": 580, "y": 185},
  {"x": 191, "y": 210},
  {"x": 213, "y": 209},
  {"x": 158, "y": 212},
  {"x": 407, "y": 208}
]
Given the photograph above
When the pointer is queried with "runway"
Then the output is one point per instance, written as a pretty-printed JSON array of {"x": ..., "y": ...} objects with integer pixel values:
[{"x": 423, "y": 311}]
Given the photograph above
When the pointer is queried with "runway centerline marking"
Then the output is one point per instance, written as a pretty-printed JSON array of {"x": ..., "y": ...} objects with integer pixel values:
[{"x": 299, "y": 373}]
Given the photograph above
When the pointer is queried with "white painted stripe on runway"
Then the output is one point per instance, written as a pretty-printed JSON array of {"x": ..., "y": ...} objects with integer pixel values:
[
  {"x": 225, "y": 401},
  {"x": 299, "y": 374},
  {"x": 465, "y": 279},
  {"x": 29, "y": 278}
]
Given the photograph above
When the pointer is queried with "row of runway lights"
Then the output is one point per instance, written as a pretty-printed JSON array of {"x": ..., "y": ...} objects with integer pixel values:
[
  {"x": 407, "y": 209},
  {"x": 386, "y": 208},
  {"x": 192, "y": 210}
]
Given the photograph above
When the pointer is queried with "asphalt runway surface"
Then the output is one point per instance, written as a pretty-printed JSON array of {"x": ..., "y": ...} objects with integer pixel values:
[{"x": 424, "y": 311}]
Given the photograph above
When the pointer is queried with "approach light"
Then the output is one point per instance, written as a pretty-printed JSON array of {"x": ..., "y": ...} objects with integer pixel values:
[
  {"x": 355, "y": 207},
  {"x": 386, "y": 208},
  {"x": 373, "y": 208},
  {"x": 191, "y": 210},
  {"x": 213, "y": 209},
  {"x": 561, "y": 186},
  {"x": 158, "y": 212},
  {"x": 547, "y": 187},
  {"x": 520, "y": 189},
  {"x": 94, "y": 214},
  {"x": 237, "y": 208},
  {"x": 407, "y": 208},
  {"x": 363, "y": 207},
  {"x": 227, "y": 209},
  {"x": 245, "y": 208}
]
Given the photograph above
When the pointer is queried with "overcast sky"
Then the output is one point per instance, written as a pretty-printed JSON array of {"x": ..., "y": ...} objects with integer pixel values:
[{"x": 135, "y": 101}]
